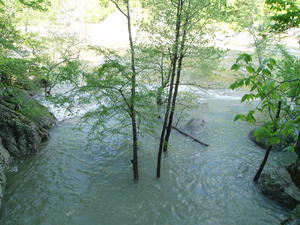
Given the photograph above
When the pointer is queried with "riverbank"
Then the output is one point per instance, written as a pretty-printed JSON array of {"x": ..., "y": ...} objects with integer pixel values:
[{"x": 24, "y": 125}]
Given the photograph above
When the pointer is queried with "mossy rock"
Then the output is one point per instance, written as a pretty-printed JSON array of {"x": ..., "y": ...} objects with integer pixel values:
[
  {"x": 277, "y": 185},
  {"x": 23, "y": 122},
  {"x": 21, "y": 102},
  {"x": 19, "y": 135}
]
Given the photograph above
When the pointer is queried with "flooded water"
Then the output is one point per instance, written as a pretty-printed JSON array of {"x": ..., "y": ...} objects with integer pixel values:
[{"x": 70, "y": 184}]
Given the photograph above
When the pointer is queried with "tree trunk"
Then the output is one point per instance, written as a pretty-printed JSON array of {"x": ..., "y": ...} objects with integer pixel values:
[
  {"x": 171, "y": 116},
  {"x": 173, "y": 73},
  {"x": 135, "y": 149},
  {"x": 132, "y": 99},
  {"x": 263, "y": 163},
  {"x": 179, "y": 68}
]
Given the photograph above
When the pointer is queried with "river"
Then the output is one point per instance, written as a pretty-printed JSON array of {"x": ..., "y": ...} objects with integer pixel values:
[{"x": 68, "y": 183}]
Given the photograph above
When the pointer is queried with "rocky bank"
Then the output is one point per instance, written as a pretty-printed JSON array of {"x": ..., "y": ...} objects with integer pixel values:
[
  {"x": 24, "y": 125},
  {"x": 282, "y": 184}
]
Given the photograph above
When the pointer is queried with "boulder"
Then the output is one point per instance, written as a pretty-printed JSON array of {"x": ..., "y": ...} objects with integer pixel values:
[
  {"x": 263, "y": 142},
  {"x": 193, "y": 126},
  {"x": 277, "y": 185},
  {"x": 294, "y": 170},
  {"x": 5, "y": 158},
  {"x": 294, "y": 218},
  {"x": 2, "y": 184}
]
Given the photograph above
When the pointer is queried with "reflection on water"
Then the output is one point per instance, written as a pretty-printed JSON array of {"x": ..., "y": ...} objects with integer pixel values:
[{"x": 68, "y": 184}]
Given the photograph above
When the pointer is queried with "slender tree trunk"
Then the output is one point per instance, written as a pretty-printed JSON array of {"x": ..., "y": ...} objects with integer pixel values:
[
  {"x": 263, "y": 163},
  {"x": 173, "y": 73},
  {"x": 171, "y": 116},
  {"x": 164, "y": 83},
  {"x": 179, "y": 69},
  {"x": 134, "y": 161}
]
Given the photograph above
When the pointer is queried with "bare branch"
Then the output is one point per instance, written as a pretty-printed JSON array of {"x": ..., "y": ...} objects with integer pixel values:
[{"x": 119, "y": 8}]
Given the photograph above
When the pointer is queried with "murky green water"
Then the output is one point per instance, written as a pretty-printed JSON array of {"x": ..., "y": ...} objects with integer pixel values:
[{"x": 68, "y": 184}]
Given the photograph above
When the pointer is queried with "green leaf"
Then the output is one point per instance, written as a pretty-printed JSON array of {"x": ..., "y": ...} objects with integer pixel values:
[
  {"x": 260, "y": 68},
  {"x": 239, "y": 117},
  {"x": 250, "y": 117},
  {"x": 274, "y": 141},
  {"x": 290, "y": 149},
  {"x": 253, "y": 87},
  {"x": 235, "y": 67},
  {"x": 247, "y": 58},
  {"x": 297, "y": 120},
  {"x": 288, "y": 128},
  {"x": 261, "y": 132},
  {"x": 233, "y": 86},
  {"x": 239, "y": 58},
  {"x": 247, "y": 97},
  {"x": 247, "y": 82},
  {"x": 266, "y": 72},
  {"x": 250, "y": 69},
  {"x": 270, "y": 66},
  {"x": 237, "y": 83},
  {"x": 272, "y": 61}
]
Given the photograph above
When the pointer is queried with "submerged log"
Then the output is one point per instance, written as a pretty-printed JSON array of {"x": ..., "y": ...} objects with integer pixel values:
[{"x": 190, "y": 136}]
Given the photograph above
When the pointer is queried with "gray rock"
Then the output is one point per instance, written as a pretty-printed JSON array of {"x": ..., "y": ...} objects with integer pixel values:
[
  {"x": 19, "y": 135},
  {"x": 193, "y": 126},
  {"x": 20, "y": 101},
  {"x": 277, "y": 185},
  {"x": 23, "y": 122},
  {"x": 2, "y": 184},
  {"x": 5, "y": 158},
  {"x": 294, "y": 170}
]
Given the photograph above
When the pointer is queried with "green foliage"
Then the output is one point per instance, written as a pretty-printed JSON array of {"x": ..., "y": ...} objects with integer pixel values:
[
  {"x": 36, "y": 4},
  {"x": 245, "y": 13},
  {"x": 276, "y": 86},
  {"x": 17, "y": 67},
  {"x": 108, "y": 88},
  {"x": 109, "y": 84},
  {"x": 159, "y": 24},
  {"x": 285, "y": 14}
]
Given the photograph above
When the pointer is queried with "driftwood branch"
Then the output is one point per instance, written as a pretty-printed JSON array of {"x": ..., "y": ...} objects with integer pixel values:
[{"x": 190, "y": 136}]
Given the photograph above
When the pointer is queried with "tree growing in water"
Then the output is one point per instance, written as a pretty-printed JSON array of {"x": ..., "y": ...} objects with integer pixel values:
[
  {"x": 181, "y": 26},
  {"x": 276, "y": 85}
]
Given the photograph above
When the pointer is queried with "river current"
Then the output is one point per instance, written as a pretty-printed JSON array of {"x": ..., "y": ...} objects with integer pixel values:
[{"x": 69, "y": 183}]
